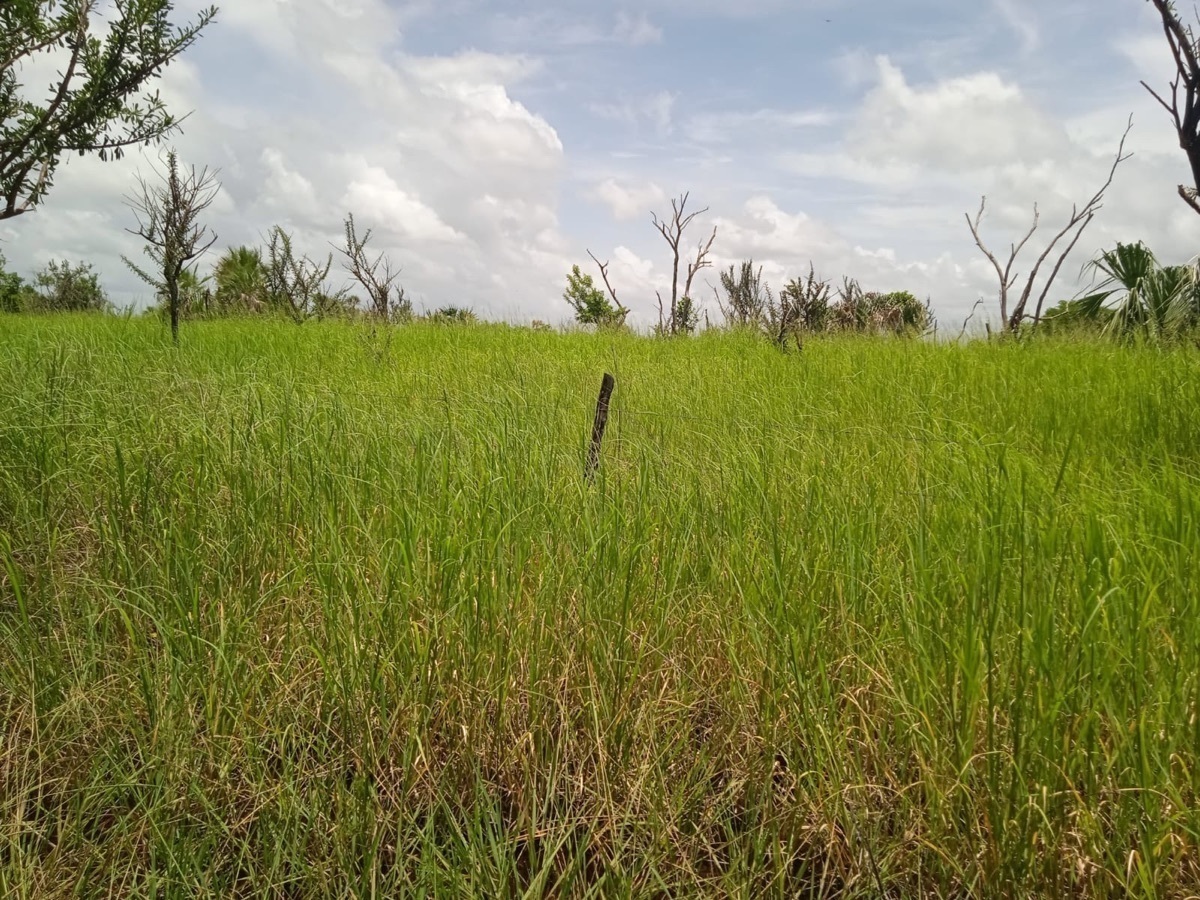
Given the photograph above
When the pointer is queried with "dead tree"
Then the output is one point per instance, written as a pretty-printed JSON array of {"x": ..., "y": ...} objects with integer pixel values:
[
  {"x": 168, "y": 216},
  {"x": 622, "y": 312},
  {"x": 387, "y": 301},
  {"x": 1184, "y": 110},
  {"x": 1081, "y": 218},
  {"x": 672, "y": 230}
]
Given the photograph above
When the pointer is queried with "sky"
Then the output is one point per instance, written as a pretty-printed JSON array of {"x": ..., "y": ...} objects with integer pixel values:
[{"x": 490, "y": 144}]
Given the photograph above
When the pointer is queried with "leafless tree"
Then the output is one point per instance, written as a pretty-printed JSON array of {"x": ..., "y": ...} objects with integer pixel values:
[
  {"x": 672, "y": 229},
  {"x": 1012, "y": 315},
  {"x": 1184, "y": 110},
  {"x": 387, "y": 300},
  {"x": 622, "y": 311},
  {"x": 168, "y": 214}
]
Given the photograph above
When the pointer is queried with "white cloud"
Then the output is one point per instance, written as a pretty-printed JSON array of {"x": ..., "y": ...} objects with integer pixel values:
[
  {"x": 629, "y": 201},
  {"x": 375, "y": 194},
  {"x": 959, "y": 123},
  {"x": 283, "y": 188}
]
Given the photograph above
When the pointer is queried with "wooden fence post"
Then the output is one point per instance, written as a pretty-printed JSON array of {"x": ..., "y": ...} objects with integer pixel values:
[{"x": 606, "y": 389}]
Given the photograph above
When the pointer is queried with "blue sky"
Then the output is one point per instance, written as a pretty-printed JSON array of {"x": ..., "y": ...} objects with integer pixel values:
[{"x": 491, "y": 144}]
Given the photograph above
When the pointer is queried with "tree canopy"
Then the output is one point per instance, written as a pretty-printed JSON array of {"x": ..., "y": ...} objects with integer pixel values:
[{"x": 98, "y": 102}]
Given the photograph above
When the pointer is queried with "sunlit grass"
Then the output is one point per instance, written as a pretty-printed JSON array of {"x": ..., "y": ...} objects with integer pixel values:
[{"x": 310, "y": 612}]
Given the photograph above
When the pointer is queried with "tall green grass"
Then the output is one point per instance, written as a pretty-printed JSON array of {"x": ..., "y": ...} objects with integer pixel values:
[{"x": 321, "y": 612}]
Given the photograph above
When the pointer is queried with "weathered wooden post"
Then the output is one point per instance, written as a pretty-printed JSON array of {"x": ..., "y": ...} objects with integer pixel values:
[{"x": 606, "y": 389}]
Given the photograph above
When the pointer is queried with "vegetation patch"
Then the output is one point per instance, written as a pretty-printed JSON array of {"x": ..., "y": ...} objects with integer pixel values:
[{"x": 305, "y": 612}]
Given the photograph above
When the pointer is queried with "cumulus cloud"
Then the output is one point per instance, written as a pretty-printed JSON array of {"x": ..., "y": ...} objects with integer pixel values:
[
  {"x": 962, "y": 123},
  {"x": 377, "y": 196}
]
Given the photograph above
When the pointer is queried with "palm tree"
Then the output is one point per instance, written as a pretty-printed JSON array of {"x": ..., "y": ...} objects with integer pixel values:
[
  {"x": 1143, "y": 296},
  {"x": 194, "y": 294},
  {"x": 241, "y": 279}
]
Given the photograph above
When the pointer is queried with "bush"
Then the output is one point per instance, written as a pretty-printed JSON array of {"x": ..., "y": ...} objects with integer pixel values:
[
  {"x": 803, "y": 306},
  {"x": 591, "y": 306},
  {"x": 1075, "y": 316},
  {"x": 62, "y": 287},
  {"x": 746, "y": 296},
  {"x": 15, "y": 295},
  {"x": 453, "y": 315}
]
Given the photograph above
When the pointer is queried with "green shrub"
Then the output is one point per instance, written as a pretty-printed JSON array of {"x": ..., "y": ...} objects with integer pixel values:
[
  {"x": 62, "y": 287},
  {"x": 15, "y": 295}
]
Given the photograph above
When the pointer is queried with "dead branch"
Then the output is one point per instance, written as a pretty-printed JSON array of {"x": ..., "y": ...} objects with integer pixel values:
[
  {"x": 702, "y": 262},
  {"x": 967, "y": 321},
  {"x": 1080, "y": 219},
  {"x": 622, "y": 311},
  {"x": 1186, "y": 119}
]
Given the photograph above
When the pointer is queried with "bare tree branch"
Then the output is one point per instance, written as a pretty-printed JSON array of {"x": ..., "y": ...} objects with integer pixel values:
[
  {"x": 622, "y": 311},
  {"x": 702, "y": 262},
  {"x": 1080, "y": 219},
  {"x": 967, "y": 321},
  {"x": 1185, "y": 54}
]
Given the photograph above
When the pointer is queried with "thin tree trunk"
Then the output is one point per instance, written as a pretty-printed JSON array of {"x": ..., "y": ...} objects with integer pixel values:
[{"x": 173, "y": 299}]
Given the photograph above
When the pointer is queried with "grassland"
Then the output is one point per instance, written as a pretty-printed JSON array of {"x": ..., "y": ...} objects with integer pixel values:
[{"x": 316, "y": 612}]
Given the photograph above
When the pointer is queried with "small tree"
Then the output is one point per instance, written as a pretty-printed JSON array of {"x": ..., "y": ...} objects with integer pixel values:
[
  {"x": 388, "y": 301},
  {"x": 62, "y": 287},
  {"x": 618, "y": 311},
  {"x": 1138, "y": 295},
  {"x": 746, "y": 296},
  {"x": 297, "y": 284},
  {"x": 901, "y": 312},
  {"x": 804, "y": 302},
  {"x": 687, "y": 316},
  {"x": 168, "y": 216},
  {"x": 590, "y": 304},
  {"x": 1184, "y": 110},
  {"x": 97, "y": 102}
]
